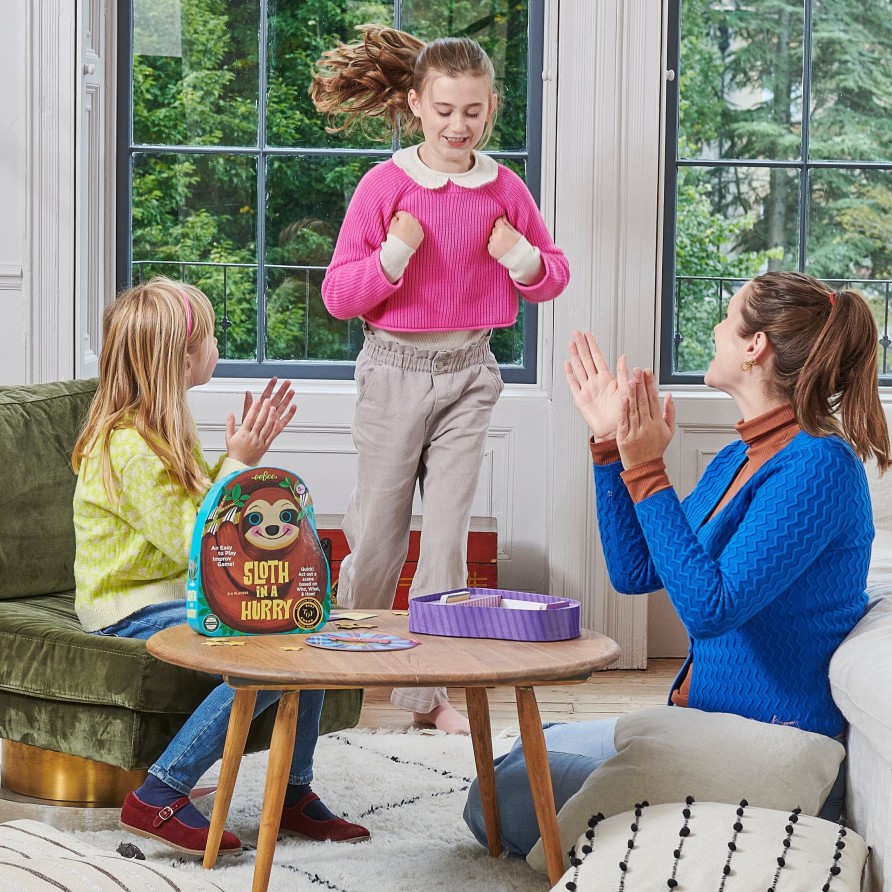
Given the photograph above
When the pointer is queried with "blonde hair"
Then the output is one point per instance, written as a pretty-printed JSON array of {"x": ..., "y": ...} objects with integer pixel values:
[
  {"x": 825, "y": 357},
  {"x": 147, "y": 333},
  {"x": 371, "y": 79}
]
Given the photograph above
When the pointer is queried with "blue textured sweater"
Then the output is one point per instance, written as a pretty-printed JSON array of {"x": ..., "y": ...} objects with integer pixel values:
[{"x": 767, "y": 588}]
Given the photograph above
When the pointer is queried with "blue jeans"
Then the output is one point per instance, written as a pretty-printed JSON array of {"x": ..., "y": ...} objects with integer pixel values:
[
  {"x": 199, "y": 743},
  {"x": 575, "y": 750}
]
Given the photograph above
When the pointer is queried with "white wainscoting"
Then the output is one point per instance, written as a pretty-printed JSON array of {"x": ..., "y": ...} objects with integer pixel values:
[{"x": 318, "y": 445}]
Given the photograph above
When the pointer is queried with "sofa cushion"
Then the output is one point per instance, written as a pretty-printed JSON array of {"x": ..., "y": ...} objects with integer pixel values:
[
  {"x": 106, "y": 698},
  {"x": 38, "y": 428},
  {"x": 858, "y": 673},
  {"x": 47, "y": 654}
]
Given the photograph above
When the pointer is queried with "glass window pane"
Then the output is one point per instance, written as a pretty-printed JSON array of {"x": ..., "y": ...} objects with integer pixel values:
[
  {"x": 298, "y": 35},
  {"x": 740, "y": 88},
  {"x": 731, "y": 224},
  {"x": 307, "y": 197},
  {"x": 848, "y": 224},
  {"x": 500, "y": 27},
  {"x": 195, "y": 72},
  {"x": 194, "y": 218},
  {"x": 851, "y": 81}
]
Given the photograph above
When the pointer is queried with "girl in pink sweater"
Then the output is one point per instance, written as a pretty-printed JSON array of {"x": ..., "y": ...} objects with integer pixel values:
[{"x": 435, "y": 246}]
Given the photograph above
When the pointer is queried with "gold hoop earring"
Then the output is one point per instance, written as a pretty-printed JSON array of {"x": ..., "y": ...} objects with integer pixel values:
[{"x": 747, "y": 365}]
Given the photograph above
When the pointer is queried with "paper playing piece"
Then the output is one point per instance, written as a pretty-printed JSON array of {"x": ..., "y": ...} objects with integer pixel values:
[{"x": 353, "y": 616}]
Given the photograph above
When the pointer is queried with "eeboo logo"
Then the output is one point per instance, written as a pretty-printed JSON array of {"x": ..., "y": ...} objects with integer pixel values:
[{"x": 211, "y": 623}]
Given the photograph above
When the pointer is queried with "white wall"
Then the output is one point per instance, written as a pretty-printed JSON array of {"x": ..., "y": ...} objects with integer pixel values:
[
  {"x": 600, "y": 194},
  {"x": 13, "y": 115}
]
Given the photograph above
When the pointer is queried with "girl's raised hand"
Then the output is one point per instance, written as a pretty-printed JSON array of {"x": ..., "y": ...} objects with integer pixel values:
[
  {"x": 644, "y": 430},
  {"x": 407, "y": 229},
  {"x": 261, "y": 424},
  {"x": 596, "y": 392},
  {"x": 502, "y": 238},
  {"x": 280, "y": 401}
]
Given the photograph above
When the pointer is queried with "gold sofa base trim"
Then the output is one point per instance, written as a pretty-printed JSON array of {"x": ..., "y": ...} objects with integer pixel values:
[{"x": 68, "y": 780}]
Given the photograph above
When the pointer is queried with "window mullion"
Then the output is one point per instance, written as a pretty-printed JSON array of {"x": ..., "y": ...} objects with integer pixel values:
[
  {"x": 804, "y": 177},
  {"x": 262, "y": 90}
]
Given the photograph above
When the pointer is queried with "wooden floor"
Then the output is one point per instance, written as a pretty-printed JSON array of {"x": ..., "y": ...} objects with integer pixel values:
[{"x": 605, "y": 695}]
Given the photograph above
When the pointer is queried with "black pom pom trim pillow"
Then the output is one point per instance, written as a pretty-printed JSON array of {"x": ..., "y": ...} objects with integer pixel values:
[{"x": 695, "y": 846}]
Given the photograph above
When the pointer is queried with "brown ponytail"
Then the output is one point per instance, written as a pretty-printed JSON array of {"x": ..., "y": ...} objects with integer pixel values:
[
  {"x": 371, "y": 79},
  {"x": 825, "y": 357}
]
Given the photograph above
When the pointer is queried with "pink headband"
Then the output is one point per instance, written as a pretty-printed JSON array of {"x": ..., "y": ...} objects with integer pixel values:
[{"x": 188, "y": 307}]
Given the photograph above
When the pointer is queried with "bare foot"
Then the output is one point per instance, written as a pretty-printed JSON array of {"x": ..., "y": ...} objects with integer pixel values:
[{"x": 444, "y": 718}]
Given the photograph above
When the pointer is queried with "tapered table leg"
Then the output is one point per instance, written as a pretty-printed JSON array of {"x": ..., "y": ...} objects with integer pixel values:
[
  {"x": 536, "y": 757},
  {"x": 481, "y": 737},
  {"x": 281, "y": 750},
  {"x": 233, "y": 750}
]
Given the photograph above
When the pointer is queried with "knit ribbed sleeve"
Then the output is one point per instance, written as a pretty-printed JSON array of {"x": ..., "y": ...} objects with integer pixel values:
[
  {"x": 768, "y": 587},
  {"x": 451, "y": 283}
]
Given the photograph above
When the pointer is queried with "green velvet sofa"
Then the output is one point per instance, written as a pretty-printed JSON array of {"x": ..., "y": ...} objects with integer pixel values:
[{"x": 61, "y": 689}]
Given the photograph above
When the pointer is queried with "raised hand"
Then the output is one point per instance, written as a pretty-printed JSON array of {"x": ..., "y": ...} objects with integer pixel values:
[
  {"x": 262, "y": 421},
  {"x": 280, "y": 402},
  {"x": 407, "y": 229},
  {"x": 644, "y": 430},
  {"x": 502, "y": 238},
  {"x": 596, "y": 392}
]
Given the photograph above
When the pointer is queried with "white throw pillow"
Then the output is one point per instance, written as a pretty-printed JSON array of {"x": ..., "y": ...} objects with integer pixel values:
[
  {"x": 879, "y": 574},
  {"x": 699, "y": 847},
  {"x": 667, "y": 753}
]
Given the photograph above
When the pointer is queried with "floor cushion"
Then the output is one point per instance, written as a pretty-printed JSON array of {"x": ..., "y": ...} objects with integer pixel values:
[
  {"x": 666, "y": 753},
  {"x": 34, "y": 856},
  {"x": 694, "y": 846}
]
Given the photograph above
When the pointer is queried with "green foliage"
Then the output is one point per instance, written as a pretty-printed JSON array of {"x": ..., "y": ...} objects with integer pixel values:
[
  {"x": 196, "y": 82},
  {"x": 741, "y": 94}
]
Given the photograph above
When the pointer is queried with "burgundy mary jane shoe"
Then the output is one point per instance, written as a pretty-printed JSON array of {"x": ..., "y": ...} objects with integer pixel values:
[
  {"x": 163, "y": 825},
  {"x": 296, "y": 823}
]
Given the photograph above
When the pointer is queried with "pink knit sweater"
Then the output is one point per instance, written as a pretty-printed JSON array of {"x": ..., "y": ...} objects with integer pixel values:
[{"x": 451, "y": 282}]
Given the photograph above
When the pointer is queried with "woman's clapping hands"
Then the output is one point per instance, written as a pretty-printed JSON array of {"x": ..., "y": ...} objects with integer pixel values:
[
  {"x": 619, "y": 406},
  {"x": 596, "y": 392},
  {"x": 644, "y": 431}
]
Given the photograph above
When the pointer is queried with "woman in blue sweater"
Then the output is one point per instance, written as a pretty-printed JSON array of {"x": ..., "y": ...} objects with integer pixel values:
[{"x": 766, "y": 560}]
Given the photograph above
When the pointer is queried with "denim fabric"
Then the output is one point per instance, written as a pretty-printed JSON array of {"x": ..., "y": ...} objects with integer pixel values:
[
  {"x": 199, "y": 743},
  {"x": 575, "y": 750}
]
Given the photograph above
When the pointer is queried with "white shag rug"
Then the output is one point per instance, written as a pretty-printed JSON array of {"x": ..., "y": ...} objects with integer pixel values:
[{"x": 409, "y": 789}]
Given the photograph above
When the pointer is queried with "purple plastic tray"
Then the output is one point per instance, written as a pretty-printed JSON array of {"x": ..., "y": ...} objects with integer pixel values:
[{"x": 460, "y": 621}]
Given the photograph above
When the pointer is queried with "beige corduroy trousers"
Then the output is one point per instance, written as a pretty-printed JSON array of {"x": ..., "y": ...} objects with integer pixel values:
[{"x": 422, "y": 417}]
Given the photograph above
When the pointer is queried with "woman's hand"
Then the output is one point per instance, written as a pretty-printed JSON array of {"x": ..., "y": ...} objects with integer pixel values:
[
  {"x": 502, "y": 238},
  {"x": 407, "y": 229},
  {"x": 644, "y": 431},
  {"x": 262, "y": 421},
  {"x": 596, "y": 392}
]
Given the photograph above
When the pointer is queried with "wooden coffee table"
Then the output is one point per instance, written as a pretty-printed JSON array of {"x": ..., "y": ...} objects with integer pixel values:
[{"x": 262, "y": 663}]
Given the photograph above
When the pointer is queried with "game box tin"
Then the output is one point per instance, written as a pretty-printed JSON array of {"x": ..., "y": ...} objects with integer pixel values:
[{"x": 461, "y": 620}]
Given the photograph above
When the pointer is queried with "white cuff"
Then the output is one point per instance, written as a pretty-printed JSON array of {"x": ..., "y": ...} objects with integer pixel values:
[
  {"x": 395, "y": 256},
  {"x": 522, "y": 262}
]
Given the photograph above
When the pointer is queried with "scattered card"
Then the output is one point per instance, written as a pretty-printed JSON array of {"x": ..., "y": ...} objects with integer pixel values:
[{"x": 353, "y": 616}]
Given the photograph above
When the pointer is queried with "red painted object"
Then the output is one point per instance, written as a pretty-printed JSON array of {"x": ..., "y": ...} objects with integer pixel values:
[{"x": 483, "y": 546}]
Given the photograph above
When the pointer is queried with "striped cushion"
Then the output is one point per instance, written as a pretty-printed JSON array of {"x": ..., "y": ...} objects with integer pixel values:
[{"x": 34, "y": 856}]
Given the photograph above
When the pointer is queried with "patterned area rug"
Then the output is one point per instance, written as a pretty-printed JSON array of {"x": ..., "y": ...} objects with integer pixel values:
[{"x": 409, "y": 789}]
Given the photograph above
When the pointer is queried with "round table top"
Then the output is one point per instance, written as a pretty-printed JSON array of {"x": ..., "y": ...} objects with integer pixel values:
[{"x": 438, "y": 661}]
